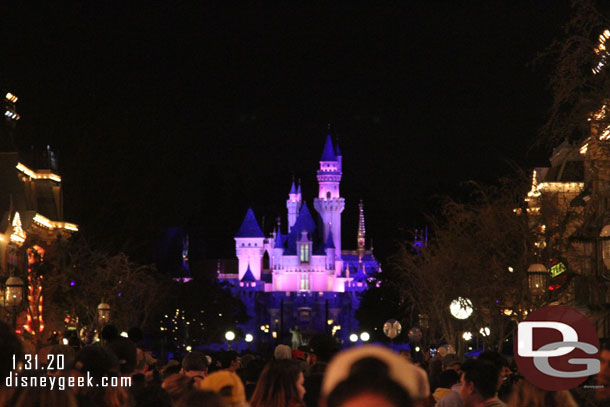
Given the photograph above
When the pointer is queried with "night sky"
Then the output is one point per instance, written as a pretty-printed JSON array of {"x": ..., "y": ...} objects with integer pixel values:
[{"x": 184, "y": 116}]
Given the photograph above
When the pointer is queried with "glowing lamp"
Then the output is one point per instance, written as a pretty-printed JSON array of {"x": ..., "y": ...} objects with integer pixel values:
[
  {"x": 103, "y": 313},
  {"x": 13, "y": 294},
  {"x": 230, "y": 335},
  {"x": 364, "y": 336},
  {"x": 249, "y": 338},
  {"x": 536, "y": 277},
  {"x": 461, "y": 308},
  {"x": 353, "y": 338}
]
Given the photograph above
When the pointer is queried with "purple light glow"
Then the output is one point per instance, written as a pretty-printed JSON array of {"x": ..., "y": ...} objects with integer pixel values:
[{"x": 72, "y": 283}]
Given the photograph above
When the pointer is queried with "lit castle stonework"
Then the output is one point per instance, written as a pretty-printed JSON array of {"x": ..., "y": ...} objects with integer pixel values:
[{"x": 300, "y": 276}]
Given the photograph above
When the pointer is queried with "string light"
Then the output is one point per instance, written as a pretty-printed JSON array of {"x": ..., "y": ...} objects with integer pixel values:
[{"x": 601, "y": 51}]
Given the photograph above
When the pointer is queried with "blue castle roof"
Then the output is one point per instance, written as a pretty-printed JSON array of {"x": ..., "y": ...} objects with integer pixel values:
[
  {"x": 280, "y": 240},
  {"x": 329, "y": 152},
  {"x": 293, "y": 190},
  {"x": 304, "y": 222},
  {"x": 337, "y": 151},
  {"x": 248, "y": 276},
  {"x": 249, "y": 227}
]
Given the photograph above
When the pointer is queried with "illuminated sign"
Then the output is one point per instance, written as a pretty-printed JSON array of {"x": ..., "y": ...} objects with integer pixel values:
[{"x": 557, "y": 269}]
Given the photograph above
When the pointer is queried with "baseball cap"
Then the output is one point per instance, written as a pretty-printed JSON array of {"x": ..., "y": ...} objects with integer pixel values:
[
  {"x": 410, "y": 377},
  {"x": 227, "y": 384}
]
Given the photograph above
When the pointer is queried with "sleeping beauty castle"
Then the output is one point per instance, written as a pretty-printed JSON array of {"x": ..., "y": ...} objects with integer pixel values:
[{"x": 298, "y": 280}]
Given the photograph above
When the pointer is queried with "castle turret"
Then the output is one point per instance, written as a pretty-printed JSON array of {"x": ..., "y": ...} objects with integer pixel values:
[
  {"x": 249, "y": 246},
  {"x": 293, "y": 204},
  {"x": 329, "y": 202}
]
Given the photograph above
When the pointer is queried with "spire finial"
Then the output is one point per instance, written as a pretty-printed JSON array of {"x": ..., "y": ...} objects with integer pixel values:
[{"x": 329, "y": 125}]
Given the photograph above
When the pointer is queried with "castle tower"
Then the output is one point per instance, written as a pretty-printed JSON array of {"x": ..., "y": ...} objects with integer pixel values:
[
  {"x": 329, "y": 202},
  {"x": 293, "y": 204},
  {"x": 361, "y": 232},
  {"x": 249, "y": 246}
]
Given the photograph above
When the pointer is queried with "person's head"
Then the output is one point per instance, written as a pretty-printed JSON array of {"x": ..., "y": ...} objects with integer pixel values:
[
  {"x": 282, "y": 352},
  {"x": 195, "y": 364},
  {"x": 127, "y": 354},
  {"x": 448, "y": 378},
  {"x": 227, "y": 384},
  {"x": 451, "y": 361},
  {"x": 281, "y": 383},
  {"x": 45, "y": 397},
  {"x": 500, "y": 362},
  {"x": 109, "y": 333},
  {"x": 230, "y": 360},
  {"x": 372, "y": 374},
  {"x": 98, "y": 361},
  {"x": 526, "y": 394},
  {"x": 479, "y": 381},
  {"x": 309, "y": 355},
  {"x": 177, "y": 385}
]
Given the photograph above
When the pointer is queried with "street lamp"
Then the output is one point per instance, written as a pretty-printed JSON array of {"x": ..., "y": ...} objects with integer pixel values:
[
  {"x": 537, "y": 277},
  {"x": 103, "y": 313},
  {"x": 249, "y": 338},
  {"x": 364, "y": 336},
  {"x": 353, "y": 338},
  {"x": 13, "y": 296}
]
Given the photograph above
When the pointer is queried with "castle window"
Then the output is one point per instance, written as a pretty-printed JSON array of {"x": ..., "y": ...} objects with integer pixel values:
[
  {"x": 304, "y": 282},
  {"x": 304, "y": 253},
  {"x": 328, "y": 195}
]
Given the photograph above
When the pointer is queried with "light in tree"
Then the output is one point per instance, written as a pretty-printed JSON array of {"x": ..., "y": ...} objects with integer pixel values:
[{"x": 461, "y": 308}]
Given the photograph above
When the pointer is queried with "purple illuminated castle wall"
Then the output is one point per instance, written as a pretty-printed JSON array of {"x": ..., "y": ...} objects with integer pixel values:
[{"x": 308, "y": 281}]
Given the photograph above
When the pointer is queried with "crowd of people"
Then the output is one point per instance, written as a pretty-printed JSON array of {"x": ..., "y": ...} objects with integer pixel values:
[{"x": 318, "y": 374}]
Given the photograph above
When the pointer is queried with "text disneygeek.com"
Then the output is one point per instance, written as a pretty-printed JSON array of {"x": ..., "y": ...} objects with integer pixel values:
[{"x": 61, "y": 382}]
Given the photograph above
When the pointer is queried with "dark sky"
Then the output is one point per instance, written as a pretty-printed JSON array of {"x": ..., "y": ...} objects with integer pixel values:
[{"x": 183, "y": 115}]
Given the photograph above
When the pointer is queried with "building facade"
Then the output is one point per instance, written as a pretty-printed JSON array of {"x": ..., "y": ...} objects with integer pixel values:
[
  {"x": 569, "y": 202},
  {"x": 31, "y": 206},
  {"x": 299, "y": 279}
]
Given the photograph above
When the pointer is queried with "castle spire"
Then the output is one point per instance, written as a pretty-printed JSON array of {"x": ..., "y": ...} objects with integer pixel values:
[
  {"x": 328, "y": 154},
  {"x": 361, "y": 231},
  {"x": 293, "y": 189}
]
